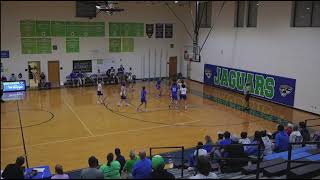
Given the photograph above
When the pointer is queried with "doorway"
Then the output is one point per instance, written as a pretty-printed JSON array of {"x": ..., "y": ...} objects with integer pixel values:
[
  {"x": 34, "y": 73},
  {"x": 54, "y": 73},
  {"x": 173, "y": 66}
]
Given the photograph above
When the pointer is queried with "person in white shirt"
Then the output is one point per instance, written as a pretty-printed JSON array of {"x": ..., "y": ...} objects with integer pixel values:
[
  {"x": 267, "y": 143},
  {"x": 204, "y": 168},
  {"x": 100, "y": 92},
  {"x": 123, "y": 95},
  {"x": 183, "y": 95},
  {"x": 295, "y": 137},
  {"x": 244, "y": 140}
]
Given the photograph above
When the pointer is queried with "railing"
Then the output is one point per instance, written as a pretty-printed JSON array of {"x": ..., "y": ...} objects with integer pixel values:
[
  {"x": 289, "y": 161},
  {"x": 314, "y": 119},
  {"x": 173, "y": 147}
]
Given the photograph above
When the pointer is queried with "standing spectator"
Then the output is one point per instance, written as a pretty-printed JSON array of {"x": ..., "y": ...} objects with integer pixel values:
[
  {"x": 92, "y": 172},
  {"x": 281, "y": 140},
  {"x": 158, "y": 169},
  {"x": 59, "y": 173},
  {"x": 267, "y": 143},
  {"x": 204, "y": 168},
  {"x": 244, "y": 140},
  {"x": 42, "y": 78},
  {"x": 200, "y": 151},
  {"x": 289, "y": 128},
  {"x": 111, "y": 169},
  {"x": 304, "y": 132},
  {"x": 120, "y": 158},
  {"x": 14, "y": 171},
  {"x": 13, "y": 77},
  {"x": 295, "y": 137},
  {"x": 130, "y": 163},
  {"x": 142, "y": 168}
]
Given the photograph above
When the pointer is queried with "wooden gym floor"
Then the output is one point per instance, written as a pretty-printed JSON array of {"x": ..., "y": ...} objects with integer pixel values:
[{"x": 66, "y": 125}]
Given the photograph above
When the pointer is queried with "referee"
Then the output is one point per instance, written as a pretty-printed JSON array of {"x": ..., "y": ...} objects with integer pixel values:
[{"x": 246, "y": 91}]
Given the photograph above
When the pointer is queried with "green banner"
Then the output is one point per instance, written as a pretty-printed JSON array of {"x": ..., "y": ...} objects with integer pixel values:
[
  {"x": 58, "y": 28},
  {"x": 72, "y": 45},
  {"x": 44, "y": 46},
  {"x": 126, "y": 29},
  {"x": 28, "y": 28},
  {"x": 127, "y": 45},
  {"x": 29, "y": 45},
  {"x": 43, "y": 28},
  {"x": 73, "y": 29},
  {"x": 114, "y": 45},
  {"x": 114, "y": 29}
]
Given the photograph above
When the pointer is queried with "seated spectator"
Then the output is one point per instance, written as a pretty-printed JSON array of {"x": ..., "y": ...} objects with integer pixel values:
[
  {"x": 289, "y": 128},
  {"x": 204, "y": 168},
  {"x": 208, "y": 145},
  {"x": 42, "y": 78},
  {"x": 254, "y": 150},
  {"x": 92, "y": 172},
  {"x": 158, "y": 169},
  {"x": 59, "y": 173},
  {"x": 295, "y": 137},
  {"x": 120, "y": 158},
  {"x": 267, "y": 143},
  {"x": 220, "y": 138},
  {"x": 227, "y": 141},
  {"x": 111, "y": 170},
  {"x": 244, "y": 140},
  {"x": 14, "y": 171},
  {"x": 3, "y": 78},
  {"x": 73, "y": 77},
  {"x": 200, "y": 151},
  {"x": 13, "y": 77},
  {"x": 235, "y": 150},
  {"x": 81, "y": 79},
  {"x": 281, "y": 140},
  {"x": 142, "y": 168},
  {"x": 304, "y": 132},
  {"x": 130, "y": 163}
]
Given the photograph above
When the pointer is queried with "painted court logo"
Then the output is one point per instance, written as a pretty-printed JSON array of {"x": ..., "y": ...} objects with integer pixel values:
[
  {"x": 208, "y": 73},
  {"x": 285, "y": 90}
]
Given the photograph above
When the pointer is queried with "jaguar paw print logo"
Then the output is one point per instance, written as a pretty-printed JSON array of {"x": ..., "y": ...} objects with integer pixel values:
[
  {"x": 285, "y": 90},
  {"x": 208, "y": 73}
]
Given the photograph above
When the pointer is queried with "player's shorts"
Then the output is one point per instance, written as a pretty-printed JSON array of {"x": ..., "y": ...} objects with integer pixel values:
[
  {"x": 247, "y": 97},
  {"x": 99, "y": 93},
  {"x": 143, "y": 100},
  {"x": 123, "y": 97},
  {"x": 158, "y": 87},
  {"x": 183, "y": 96},
  {"x": 174, "y": 97}
]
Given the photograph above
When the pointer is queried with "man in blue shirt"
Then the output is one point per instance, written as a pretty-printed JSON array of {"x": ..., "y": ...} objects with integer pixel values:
[
  {"x": 219, "y": 152},
  {"x": 142, "y": 168},
  {"x": 282, "y": 140},
  {"x": 174, "y": 95}
]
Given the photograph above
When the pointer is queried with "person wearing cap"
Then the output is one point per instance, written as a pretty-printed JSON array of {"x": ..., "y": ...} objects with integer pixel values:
[
  {"x": 142, "y": 169},
  {"x": 158, "y": 169},
  {"x": 92, "y": 172},
  {"x": 130, "y": 163}
]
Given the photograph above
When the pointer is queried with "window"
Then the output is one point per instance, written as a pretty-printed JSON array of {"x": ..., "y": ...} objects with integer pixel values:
[
  {"x": 306, "y": 14},
  {"x": 205, "y": 9},
  {"x": 246, "y": 10},
  {"x": 252, "y": 14}
]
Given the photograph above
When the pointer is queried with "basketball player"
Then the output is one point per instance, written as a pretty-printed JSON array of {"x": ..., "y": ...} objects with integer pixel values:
[
  {"x": 143, "y": 99},
  {"x": 183, "y": 95},
  {"x": 246, "y": 92},
  {"x": 99, "y": 92},
  {"x": 158, "y": 86},
  {"x": 174, "y": 95},
  {"x": 123, "y": 95}
]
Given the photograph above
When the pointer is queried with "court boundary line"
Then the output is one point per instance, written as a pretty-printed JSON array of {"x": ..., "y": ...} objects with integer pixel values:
[{"x": 100, "y": 135}]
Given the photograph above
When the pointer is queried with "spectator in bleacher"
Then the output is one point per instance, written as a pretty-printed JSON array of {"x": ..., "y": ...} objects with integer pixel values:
[
  {"x": 120, "y": 158},
  {"x": 59, "y": 173},
  {"x": 111, "y": 170},
  {"x": 267, "y": 143},
  {"x": 13, "y": 77},
  {"x": 142, "y": 168},
  {"x": 3, "y": 78},
  {"x": 204, "y": 168},
  {"x": 200, "y": 151},
  {"x": 281, "y": 140},
  {"x": 14, "y": 171},
  {"x": 244, "y": 140},
  {"x": 220, "y": 138},
  {"x": 208, "y": 145},
  {"x": 42, "y": 78},
  {"x": 130, "y": 163},
  {"x": 254, "y": 150},
  {"x": 304, "y": 132},
  {"x": 92, "y": 172},
  {"x": 81, "y": 79},
  {"x": 289, "y": 128},
  {"x": 295, "y": 137},
  {"x": 158, "y": 169},
  {"x": 227, "y": 141},
  {"x": 73, "y": 77}
]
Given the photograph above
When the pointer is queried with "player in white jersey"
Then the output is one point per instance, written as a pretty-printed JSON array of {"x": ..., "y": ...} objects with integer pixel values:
[
  {"x": 100, "y": 92},
  {"x": 183, "y": 95},
  {"x": 123, "y": 95}
]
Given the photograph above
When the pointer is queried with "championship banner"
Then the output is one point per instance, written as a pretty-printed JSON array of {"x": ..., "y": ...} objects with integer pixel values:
[
  {"x": 168, "y": 30},
  {"x": 149, "y": 30},
  {"x": 268, "y": 87},
  {"x": 159, "y": 30}
]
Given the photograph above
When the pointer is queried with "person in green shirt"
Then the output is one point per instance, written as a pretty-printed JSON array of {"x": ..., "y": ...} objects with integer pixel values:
[
  {"x": 130, "y": 163},
  {"x": 111, "y": 170}
]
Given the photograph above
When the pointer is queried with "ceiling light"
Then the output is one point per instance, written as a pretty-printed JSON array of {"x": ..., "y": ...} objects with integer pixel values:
[{"x": 176, "y": 2}]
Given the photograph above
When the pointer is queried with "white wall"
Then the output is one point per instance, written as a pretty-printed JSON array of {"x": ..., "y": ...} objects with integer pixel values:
[
  {"x": 90, "y": 47},
  {"x": 272, "y": 48}
]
